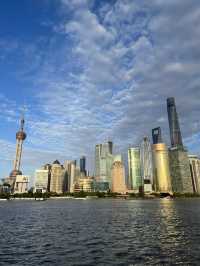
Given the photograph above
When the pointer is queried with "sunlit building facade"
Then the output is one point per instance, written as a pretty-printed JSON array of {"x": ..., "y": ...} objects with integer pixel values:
[
  {"x": 134, "y": 169},
  {"x": 21, "y": 184},
  {"x": 195, "y": 172},
  {"x": 57, "y": 177},
  {"x": 41, "y": 180},
  {"x": 84, "y": 184},
  {"x": 118, "y": 177},
  {"x": 146, "y": 164},
  {"x": 178, "y": 156},
  {"x": 162, "y": 178},
  {"x": 103, "y": 165}
]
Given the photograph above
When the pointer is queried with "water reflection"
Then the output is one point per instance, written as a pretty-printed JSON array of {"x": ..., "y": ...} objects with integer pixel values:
[{"x": 100, "y": 232}]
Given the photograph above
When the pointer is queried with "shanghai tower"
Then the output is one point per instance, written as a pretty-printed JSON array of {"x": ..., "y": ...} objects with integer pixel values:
[
  {"x": 175, "y": 132},
  {"x": 178, "y": 157}
]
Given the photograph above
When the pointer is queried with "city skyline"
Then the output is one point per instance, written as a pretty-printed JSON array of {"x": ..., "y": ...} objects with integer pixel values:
[
  {"x": 75, "y": 97},
  {"x": 152, "y": 168}
]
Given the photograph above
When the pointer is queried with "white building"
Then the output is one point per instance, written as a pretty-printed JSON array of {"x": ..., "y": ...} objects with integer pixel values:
[
  {"x": 195, "y": 172},
  {"x": 41, "y": 180},
  {"x": 146, "y": 162},
  {"x": 21, "y": 184}
]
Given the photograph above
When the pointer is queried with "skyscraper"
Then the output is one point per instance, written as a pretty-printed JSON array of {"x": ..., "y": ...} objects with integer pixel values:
[
  {"x": 162, "y": 180},
  {"x": 98, "y": 149},
  {"x": 175, "y": 132},
  {"x": 156, "y": 135},
  {"x": 118, "y": 178},
  {"x": 83, "y": 165},
  {"x": 70, "y": 167},
  {"x": 134, "y": 167},
  {"x": 57, "y": 177},
  {"x": 103, "y": 165},
  {"x": 146, "y": 164},
  {"x": 48, "y": 168},
  {"x": 195, "y": 172},
  {"x": 146, "y": 159},
  {"x": 178, "y": 157},
  {"x": 110, "y": 147}
]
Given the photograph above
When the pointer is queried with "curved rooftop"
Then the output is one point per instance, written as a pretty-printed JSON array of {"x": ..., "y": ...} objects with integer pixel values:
[{"x": 56, "y": 162}]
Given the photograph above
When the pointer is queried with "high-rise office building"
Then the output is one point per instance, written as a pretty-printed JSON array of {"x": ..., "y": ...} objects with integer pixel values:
[
  {"x": 48, "y": 168},
  {"x": 195, "y": 172},
  {"x": 98, "y": 149},
  {"x": 70, "y": 167},
  {"x": 134, "y": 167},
  {"x": 57, "y": 177},
  {"x": 103, "y": 165},
  {"x": 83, "y": 166},
  {"x": 146, "y": 164},
  {"x": 180, "y": 171},
  {"x": 41, "y": 180},
  {"x": 162, "y": 180},
  {"x": 175, "y": 132},
  {"x": 118, "y": 177},
  {"x": 110, "y": 147},
  {"x": 78, "y": 174},
  {"x": 21, "y": 184},
  {"x": 156, "y": 135},
  {"x": 178, "y": 157}
]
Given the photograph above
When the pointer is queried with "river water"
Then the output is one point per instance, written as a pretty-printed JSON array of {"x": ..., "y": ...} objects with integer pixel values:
[{"x": 100, "y": 232}]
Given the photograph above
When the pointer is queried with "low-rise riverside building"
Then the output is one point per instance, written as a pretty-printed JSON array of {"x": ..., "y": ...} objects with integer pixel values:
[
  {"x": 84, "y": 184},
  {"x": 41, "y": 180},
  {"x": 21, "y": 184}
]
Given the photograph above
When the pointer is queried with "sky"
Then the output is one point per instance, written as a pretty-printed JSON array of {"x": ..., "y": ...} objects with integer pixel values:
[{"x": 88, "y": 71}]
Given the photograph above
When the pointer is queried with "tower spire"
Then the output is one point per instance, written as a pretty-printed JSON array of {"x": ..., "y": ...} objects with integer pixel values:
[{"x": 20, "y": 137}]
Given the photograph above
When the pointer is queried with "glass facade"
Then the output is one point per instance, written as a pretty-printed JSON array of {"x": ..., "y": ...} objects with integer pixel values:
[
  {"x": 83, "y": 165},
  {"x": 134, "y": 166},
  {"x": 156, "y": 135},
  {"x": 103, "y": 162},
  {"x": 175, "y": 132},
  {"x": 146, "y": 160}
]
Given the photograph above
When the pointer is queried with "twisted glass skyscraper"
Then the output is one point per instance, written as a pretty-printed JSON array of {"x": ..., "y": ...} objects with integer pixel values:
[
  {"x": 179, "y": 162},
  {"x": 175, "y": 132}
]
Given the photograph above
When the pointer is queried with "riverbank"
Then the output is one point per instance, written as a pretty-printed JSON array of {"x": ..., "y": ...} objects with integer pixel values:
[{"x": 86, "y": 196}]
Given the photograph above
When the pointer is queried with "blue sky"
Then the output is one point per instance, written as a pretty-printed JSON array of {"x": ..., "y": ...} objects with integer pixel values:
[{"x": 88, "y": 71}]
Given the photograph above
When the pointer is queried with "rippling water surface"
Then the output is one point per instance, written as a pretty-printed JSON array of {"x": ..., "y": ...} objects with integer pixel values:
[{"x": 100, "y": 232}]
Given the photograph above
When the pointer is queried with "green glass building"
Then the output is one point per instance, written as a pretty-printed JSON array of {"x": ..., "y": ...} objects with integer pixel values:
[{"x": 134, "y": 167}]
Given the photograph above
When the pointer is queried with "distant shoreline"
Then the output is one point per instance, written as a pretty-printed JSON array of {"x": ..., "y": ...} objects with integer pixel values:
[{"x": 94, "y": 197}]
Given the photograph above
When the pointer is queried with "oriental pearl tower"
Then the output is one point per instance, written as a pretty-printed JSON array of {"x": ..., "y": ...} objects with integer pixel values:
[{"x": 20, "y": 137}]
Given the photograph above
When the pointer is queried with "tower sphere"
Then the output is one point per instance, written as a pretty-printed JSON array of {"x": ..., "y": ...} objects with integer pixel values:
[
  {"x": 14, "y": 173},
  {"x": 21, "y": 135}
]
